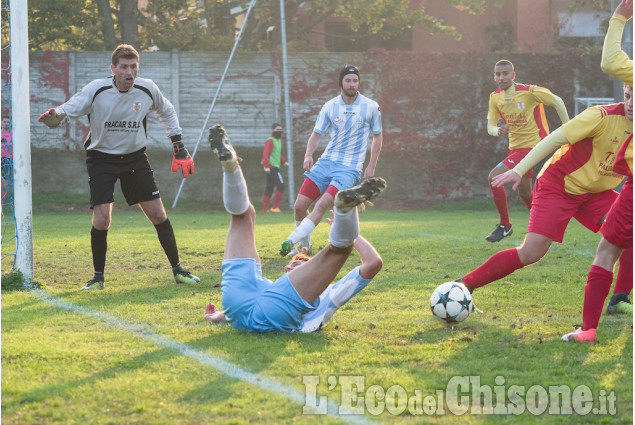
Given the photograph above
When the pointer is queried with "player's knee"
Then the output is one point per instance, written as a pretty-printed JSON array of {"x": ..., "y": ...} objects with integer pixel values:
[
  {"x": 373, "y": 267},
  {"x": 250, "y": 212},
  {"x": 531, "y": 254},
  {"x": 101, "y": 222},
  {"x": 300, "y": 208}
]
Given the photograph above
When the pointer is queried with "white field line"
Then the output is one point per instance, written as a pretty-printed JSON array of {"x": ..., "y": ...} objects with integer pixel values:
[
  {"x": 554, "y": 246},
  {"x": 229, "y": 369}
]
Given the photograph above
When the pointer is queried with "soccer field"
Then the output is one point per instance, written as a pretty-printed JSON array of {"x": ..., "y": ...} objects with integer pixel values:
[{"x": 140, "y": 351}]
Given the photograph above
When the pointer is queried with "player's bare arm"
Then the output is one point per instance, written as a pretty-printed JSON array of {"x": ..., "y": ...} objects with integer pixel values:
[
  {"x": 311, "y": 146},
  {"x": 375, "y": 149}
]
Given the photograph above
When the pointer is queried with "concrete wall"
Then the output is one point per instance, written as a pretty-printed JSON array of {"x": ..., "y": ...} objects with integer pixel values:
[{"x": 251, "y": 99}]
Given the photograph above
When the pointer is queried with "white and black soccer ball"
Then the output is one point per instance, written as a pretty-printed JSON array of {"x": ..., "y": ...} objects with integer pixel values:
[{"x": 452, "y": 302}]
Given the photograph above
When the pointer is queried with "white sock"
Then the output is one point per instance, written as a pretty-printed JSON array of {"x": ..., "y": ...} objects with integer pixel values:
[
  {"x": 345, "y": 227},
  {"x": 235, "y": 196},
  {"x": 302, "y": 231}
]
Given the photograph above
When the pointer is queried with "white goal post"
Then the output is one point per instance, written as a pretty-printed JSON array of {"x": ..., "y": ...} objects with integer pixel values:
[
  {"x": 581, "y": 103},
  {"x": 20, "y": 113}
]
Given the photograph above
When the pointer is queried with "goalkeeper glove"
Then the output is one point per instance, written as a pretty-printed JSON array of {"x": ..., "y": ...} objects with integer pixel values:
[
  {"x": 181, "y": 158},
  {"x": 267, "y": 170},
  {"x": 51, "y": 118}
]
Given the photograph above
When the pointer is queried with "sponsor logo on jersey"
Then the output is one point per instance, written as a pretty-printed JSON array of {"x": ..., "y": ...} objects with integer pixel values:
[
  {"x": 338, "y": 121},
  {"x": 122, "y": 124}
]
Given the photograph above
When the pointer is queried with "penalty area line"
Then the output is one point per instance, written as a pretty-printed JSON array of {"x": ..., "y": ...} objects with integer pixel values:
[{"x": 225, "y": 367}]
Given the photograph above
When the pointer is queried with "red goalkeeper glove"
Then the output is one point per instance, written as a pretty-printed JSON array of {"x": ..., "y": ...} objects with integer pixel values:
[
  {"x": 181, "y": 158},
  {"x": 51, "y": 118}
]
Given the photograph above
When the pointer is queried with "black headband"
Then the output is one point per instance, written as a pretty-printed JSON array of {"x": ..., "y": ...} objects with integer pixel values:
[{"x": 348, "y": 69}]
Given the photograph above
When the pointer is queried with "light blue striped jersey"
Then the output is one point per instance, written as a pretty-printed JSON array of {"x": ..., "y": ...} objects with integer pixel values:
[{"x": 350, "y": 127}]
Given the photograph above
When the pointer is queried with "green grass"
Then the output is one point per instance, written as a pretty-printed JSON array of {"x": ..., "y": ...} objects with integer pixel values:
[{"x": 62, "y": 366}]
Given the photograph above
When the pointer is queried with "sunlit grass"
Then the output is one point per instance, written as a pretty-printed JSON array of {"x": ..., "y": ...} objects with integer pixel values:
[{"x": 64, "y": 367}]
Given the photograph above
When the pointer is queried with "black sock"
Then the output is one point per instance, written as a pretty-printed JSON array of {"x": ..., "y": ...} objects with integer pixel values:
[
  {"x": 99, "y": 246},
  {"x": 168, "y": 241}
]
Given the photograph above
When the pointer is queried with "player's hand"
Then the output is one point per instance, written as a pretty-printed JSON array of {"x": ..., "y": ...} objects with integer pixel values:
[
  {"x": 186, "y": 164},
  {"x": 507, "y": 177},
  {"x": 330, "y": 220},
  {"x": 182, "y": 159},
  {"x": 51, "y": 118},
  {"x": 308, "y": 163},
  {"x": 267, "y": 170},
  {"x": 368, "y": 173},
  {"x": 625, "y": 8},
  {"x": 503, "y": 130}
]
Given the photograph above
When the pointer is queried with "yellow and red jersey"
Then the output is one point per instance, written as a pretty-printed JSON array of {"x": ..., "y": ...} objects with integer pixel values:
[
  {"x": 586, "y": 164},
  {"x": 522, "y": 108},
  {"x": 624, "y": 159}
]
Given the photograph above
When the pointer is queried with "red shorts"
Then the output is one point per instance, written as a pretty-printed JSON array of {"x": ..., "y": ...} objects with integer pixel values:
[
  {"x": 514, "y": 157},
  {"x": 618, "y": 227},
  {"x": 552, "y": 208}
]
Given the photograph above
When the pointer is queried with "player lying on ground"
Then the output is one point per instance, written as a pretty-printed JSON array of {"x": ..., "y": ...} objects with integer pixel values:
[{"x": 301, "y": 299}]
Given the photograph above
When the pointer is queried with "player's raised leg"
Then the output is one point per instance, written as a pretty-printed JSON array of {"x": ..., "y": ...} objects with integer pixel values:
[
  {"x": 312, "y": 278},
  {"x": 240, "y": 236}
]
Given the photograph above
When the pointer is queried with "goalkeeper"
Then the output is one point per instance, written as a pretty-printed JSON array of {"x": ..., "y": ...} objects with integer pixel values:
[{"x": 116, "y": 150}]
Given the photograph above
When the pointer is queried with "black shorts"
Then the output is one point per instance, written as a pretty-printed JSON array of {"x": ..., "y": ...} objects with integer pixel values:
[{"x": 133, "y": 171}]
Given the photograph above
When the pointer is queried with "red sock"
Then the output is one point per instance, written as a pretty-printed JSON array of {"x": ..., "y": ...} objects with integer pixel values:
[
  {"x": 497, "y": 267},
  {"x": 624, "y": 280},
  {"x": 500, "y": 200},
  {"x": 265, "y": 203},
  {"x": 276, "y": 199},
  {"x": 598, "y": 285}
]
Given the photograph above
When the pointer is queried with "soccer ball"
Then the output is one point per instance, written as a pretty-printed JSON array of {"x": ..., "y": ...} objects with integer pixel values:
[{"x": 452, "y": 302}]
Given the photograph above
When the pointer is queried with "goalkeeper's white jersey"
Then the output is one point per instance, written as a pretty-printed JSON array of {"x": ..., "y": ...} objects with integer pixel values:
[
  {"x": 350, "y": 127},
  {"x": 118, "y": 119}
]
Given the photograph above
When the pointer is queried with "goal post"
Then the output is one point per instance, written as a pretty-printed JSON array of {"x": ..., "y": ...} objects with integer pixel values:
[
  {"x": 581, "y": 103},
  {"x": 20, "y": 113}
]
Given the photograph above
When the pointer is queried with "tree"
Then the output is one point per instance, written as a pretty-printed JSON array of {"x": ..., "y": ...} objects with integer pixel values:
[
  {"x": 82, "y": 24},
  {"x": 379, "y": 19},
  {"x": 63, "y": 25},
  {"x": 207, "y": 24},
  {"x": 186, "y": 25}
]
